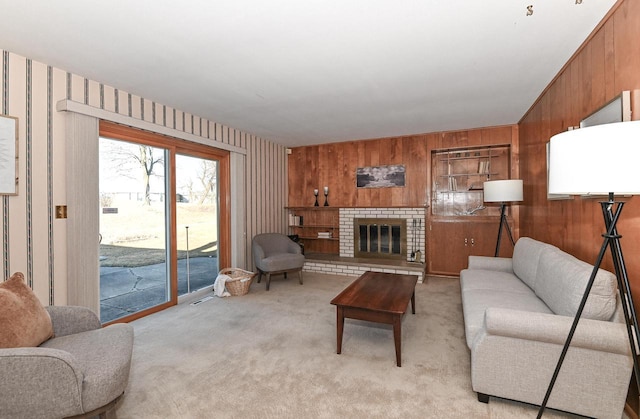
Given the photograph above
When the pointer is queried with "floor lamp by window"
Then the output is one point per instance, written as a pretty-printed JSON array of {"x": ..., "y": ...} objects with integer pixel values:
[
  {"x": 599, "y": 160},
  {"x": 503, "y": 191}
]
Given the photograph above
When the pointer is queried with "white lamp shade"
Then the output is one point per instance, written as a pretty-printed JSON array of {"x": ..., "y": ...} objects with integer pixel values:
[
  {"x": 596, "y": 160},
  {"x": 503, "y": 190}
]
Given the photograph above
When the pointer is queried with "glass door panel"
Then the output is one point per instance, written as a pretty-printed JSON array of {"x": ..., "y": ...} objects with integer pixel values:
[
  {"x": 197, "y": 221},
  {"x": 134, "y": 257}
]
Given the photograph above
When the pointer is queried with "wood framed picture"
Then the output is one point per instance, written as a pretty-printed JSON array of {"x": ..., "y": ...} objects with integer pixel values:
[{"x": 8, "y": 155}]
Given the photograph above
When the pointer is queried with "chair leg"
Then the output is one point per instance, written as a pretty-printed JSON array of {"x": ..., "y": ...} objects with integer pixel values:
[
  {"x": 108, "y": 411},
  {"x": 285, "y": 275},
  {"x": 300, "y": 274},
  {"x": 268, "y": 280},
  {"x": 259, "y": 275}
]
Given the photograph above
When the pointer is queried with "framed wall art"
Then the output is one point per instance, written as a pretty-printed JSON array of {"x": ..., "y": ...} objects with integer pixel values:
[
  {"x": 8, "y": 155},
  {"x": 380, "y": 176},
  {"x": 617, "y": 110}
]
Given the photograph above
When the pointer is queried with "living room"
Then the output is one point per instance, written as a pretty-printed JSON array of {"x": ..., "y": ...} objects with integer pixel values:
[{"x": 266, "y": 180}]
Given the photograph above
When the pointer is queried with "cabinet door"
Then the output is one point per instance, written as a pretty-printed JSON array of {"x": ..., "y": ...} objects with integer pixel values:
[
  {"x": 482, "y": 237},
  {"x": 485, "y": 238},
  {"x": 447, "y": 248},
  {"x": 450, "y": 244}
]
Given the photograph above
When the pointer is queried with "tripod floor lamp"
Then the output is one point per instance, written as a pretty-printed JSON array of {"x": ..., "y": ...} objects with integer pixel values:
[
  {"x": 599, "y": 160},
  {"x": 503, "y": 191}
]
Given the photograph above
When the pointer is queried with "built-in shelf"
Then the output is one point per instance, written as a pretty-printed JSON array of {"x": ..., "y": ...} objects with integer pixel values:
[
  {"x": 458, "y": 175},
  {"x": 308, "y": 223}
]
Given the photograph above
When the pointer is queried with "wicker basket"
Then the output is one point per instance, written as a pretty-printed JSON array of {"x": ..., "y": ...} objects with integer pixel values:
[{"x": 240, "y": 280}]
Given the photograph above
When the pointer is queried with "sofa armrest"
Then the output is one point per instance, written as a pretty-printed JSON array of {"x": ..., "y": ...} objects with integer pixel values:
[
  {"x": 69, "y": 320},
  {"x": 491, "y": 263},
  {"x": 36, "y": 380},
  {"x": 596, "y": 335}
]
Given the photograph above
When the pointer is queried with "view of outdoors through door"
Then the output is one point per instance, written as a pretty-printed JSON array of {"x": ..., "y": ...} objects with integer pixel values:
[
  {"x": 196, "y": 222},
  {"x": 136, "y": 227},
  {"x": 134, "y": 255}
]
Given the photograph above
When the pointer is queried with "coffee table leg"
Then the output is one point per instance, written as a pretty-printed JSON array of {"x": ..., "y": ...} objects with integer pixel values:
[
  {"x": 397, "y": 337},
  {"x": 340, "y": 324},
  {"x": 413, "y": 302}
]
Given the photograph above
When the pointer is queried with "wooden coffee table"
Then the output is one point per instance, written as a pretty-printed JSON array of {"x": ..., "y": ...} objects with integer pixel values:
[{"x": 377, "y": 297}]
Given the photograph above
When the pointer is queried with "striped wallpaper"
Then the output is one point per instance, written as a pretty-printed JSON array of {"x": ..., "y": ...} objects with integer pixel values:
[{"x": 33, "y": 240}]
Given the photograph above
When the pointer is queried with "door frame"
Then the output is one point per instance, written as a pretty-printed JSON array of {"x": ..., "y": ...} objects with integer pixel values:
[{"x": 174, "y": 145}]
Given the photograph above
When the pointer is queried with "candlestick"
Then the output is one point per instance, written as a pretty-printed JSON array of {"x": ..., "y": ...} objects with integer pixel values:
[
  {"x": 326, "y": 194},
  {"x": 315, "y": 192}
]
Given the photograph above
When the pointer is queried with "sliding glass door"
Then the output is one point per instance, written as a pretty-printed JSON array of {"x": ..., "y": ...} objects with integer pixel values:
[
  {"x": 197, "y": 221},
  {"x": 164, "y": 220},
  {"x": 134, "y": 239}
]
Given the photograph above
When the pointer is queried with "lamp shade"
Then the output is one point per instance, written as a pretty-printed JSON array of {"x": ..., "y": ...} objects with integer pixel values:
[
  {"x": 503, "y": 190},
  {"x": 596, "y": 160}
]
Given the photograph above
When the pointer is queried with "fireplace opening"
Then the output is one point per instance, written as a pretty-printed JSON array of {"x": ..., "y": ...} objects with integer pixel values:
[{"x": 380, "y": 238}]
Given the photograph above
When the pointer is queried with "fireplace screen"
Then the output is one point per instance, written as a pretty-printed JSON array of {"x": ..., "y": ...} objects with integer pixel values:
[{"x": 381, "y": 238}]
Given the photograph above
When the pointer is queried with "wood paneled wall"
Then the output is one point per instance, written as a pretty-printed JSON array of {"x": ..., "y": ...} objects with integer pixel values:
[
  {"x": 608, "y": 63},
  {"x": 334, "y": 165}
]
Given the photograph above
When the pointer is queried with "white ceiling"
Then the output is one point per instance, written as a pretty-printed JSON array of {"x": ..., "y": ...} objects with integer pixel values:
[{"x": 314, "y": 71}]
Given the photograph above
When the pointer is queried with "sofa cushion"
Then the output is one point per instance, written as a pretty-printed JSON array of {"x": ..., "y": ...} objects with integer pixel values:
[
  {"x": 526, "y": 255},
  {"x": 476, "y": 301},
  {"x": 281, "y": 262},
  {"x": 479, "y": 279},
  {"x": 562, "y": 280},
  {"x": 24, "y": 322}
]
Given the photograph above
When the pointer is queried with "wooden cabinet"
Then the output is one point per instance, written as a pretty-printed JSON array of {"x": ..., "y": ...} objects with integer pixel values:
[
  {"x": 460, "y": 224},
  {"x": 452, "y": 241},
  {"x": 317, "y": 227}
]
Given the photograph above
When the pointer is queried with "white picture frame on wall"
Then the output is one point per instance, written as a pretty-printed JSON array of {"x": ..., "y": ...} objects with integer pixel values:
[
  {"x": 616, "y": 110},
  {"x": 8, "y": 155}
]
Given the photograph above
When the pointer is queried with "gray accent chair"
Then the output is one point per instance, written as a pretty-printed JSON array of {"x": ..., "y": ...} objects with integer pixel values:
[
  {"x": 81, "y": 372},
  {"x": 275, "y": 253}
]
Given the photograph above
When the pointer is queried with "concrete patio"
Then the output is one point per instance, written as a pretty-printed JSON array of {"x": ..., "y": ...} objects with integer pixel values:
[{"x": 125, "y": 290}]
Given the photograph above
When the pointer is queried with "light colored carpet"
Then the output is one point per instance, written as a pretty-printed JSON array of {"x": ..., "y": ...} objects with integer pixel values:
[{"x": 273, "y": 355}]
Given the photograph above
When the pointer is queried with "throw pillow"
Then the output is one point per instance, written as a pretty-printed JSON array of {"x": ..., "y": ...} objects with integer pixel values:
[{"x": 23, "y": 319}]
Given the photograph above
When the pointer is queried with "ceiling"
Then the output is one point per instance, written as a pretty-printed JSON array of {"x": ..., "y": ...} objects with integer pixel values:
[{"x": 315, "y": 71}]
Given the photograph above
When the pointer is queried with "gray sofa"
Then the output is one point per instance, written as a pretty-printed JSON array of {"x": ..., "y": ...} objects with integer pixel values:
[
  {"x": 83, "y": 370},
  {"x": 517, "y": 314}
]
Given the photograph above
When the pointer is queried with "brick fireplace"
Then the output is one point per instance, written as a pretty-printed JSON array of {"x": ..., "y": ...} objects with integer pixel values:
[
  {"x": 412, "y": 218},
  {"x": 350, "y": 265}
]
